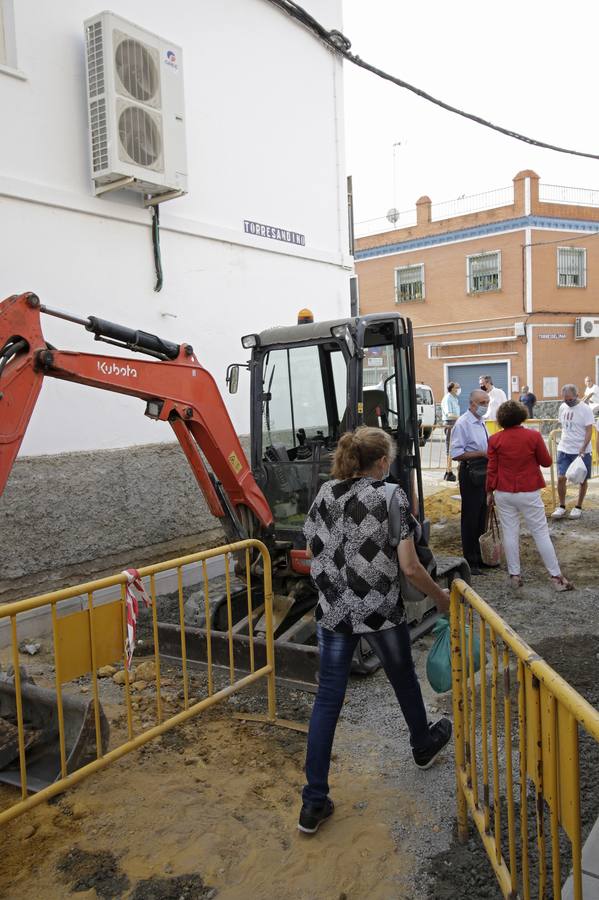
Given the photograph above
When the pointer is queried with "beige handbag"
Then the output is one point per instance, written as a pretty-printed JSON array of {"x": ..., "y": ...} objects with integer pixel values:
[{"x": 490, "y": 541}]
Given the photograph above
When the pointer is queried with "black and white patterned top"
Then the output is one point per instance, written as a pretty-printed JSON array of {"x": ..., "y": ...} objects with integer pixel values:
[{"x": 354, "y": 566}]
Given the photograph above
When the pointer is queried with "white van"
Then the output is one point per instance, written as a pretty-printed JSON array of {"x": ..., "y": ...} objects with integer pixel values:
[{"x": 425, "y": 409}]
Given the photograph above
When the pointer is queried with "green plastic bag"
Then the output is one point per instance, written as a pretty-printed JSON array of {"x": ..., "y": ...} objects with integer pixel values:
[{"x": 438, "y": 661}]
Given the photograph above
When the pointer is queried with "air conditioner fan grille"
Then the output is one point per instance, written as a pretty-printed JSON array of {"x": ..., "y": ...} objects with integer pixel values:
[
  {"x": 137, "y": 70},
  {"x": 140, "y": 137}
]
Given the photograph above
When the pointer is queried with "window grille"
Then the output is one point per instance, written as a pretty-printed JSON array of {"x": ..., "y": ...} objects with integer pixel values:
[
  {"x": 484, "y": 273},
  {"x": 571, "y": 267},
  {"x": 409, "y": 283}
]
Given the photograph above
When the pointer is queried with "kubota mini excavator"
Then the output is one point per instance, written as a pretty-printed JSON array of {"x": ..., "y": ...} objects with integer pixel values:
[{"x": 309, "y": 383}]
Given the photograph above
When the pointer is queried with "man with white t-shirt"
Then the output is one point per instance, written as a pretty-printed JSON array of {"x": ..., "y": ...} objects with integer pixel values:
[
  {"x": 576, "y": 420},
  {"x": 496, "y": 397}
]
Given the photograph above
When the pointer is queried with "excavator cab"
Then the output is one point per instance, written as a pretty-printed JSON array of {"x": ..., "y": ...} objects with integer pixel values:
[{"x": 314, "y": 381}]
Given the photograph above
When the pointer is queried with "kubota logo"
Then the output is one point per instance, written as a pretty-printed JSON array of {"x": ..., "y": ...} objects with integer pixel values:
[{"x": 114, "y": 369}]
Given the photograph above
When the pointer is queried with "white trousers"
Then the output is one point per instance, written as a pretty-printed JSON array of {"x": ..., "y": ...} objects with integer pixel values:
[{"x": 529, "y": 503}]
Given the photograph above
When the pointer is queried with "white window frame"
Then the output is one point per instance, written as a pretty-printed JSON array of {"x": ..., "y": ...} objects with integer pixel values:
[
  {"x": 469, "y": 259},
  {"x": 580, "y": 250},
  {"x": 8, "y": 43},
  {"x": 396, "y": 276}
]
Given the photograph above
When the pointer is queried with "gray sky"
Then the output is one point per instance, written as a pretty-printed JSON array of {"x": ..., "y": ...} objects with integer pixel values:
[{"x": 529, "y": 66}]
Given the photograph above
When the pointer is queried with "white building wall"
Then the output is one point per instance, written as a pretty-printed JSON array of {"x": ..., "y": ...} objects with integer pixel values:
[{"x": 264, "y": 139}]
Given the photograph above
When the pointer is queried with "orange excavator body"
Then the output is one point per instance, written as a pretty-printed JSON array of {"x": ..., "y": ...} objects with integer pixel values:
[{"x": 176, "y": 388}]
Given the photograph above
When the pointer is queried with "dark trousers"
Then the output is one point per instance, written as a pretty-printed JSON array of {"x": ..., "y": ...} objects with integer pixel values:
[
  {"x": 473, "y": 517},
  {"x": 393, "y": 648}
]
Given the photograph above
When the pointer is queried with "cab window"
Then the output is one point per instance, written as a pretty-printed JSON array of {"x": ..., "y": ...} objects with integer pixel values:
[
  {"x": 293, "y": 396},
  {"x": 304, "y": 399}
]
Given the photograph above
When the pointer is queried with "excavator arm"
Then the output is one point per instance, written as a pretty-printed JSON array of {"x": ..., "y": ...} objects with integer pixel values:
[{"x": 176, "y": 388}]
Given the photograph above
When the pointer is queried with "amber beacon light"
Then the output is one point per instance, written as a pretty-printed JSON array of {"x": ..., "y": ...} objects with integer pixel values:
[{"x": 305, "y": 317}]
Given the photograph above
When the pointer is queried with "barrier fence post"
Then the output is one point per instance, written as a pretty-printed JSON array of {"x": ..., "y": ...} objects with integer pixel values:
[
  {"x": 269, "y": 637},
  {"x": 458, "y": 711},
  {"x": 102, "y": 643},
  {"x": 550, "y": 715},
  {"x": 553, "y": 463}
]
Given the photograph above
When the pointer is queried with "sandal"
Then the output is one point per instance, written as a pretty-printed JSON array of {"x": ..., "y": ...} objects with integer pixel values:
[
  {"x": 561, "y": 583},
  {"x": 516, "y": 581}
]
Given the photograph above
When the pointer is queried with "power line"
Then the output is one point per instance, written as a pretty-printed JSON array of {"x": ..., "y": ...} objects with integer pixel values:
[{"x": 340, "y": 44}]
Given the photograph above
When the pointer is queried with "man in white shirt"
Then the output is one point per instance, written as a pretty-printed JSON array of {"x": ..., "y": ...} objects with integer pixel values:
[
  {"x": 496, "y": 397},
  {"x": 591, "y": 395},
  {"x": 576, "y": 420},
  {"x": 469, "y": 441}
]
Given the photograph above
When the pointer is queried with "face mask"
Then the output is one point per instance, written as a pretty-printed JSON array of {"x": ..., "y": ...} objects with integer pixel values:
[
  {"x": 571, "y": 402},
  {"x": 458, "y": 392},
  {"x": 481, "y": 410}
]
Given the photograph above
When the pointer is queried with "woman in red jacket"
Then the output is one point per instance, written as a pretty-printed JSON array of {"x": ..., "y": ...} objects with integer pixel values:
[{"x": 514, "y": 476}]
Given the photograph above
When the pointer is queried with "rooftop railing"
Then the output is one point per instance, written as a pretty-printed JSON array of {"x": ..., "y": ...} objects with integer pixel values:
[
  {"x": 558, "y": 193},
  {"x": 446, "y": 209},
  {"x": 474, "y": 203},
  {"x": 463, "y": 205}
]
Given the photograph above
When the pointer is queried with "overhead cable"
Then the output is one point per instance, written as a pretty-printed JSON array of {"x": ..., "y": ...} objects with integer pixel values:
[{"x": 341, "y": 45}]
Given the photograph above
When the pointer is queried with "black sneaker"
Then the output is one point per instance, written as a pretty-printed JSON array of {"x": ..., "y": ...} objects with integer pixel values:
[
  {"x": 312, "y": 816},
  {"x": 449, "y": 476},
  {"x": 441, "y": 735}
]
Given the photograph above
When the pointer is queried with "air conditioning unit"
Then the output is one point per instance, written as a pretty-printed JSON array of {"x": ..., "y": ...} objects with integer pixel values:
[
  {"x": 586, "y": 327},
  {"x": 136, "y": 109}
]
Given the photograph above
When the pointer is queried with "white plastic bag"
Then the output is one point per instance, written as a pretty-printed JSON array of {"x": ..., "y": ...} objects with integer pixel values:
[{"x": 576, "y": 471}]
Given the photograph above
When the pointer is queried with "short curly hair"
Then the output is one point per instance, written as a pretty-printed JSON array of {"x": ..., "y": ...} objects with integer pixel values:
[{"x": 511, "y": 413}]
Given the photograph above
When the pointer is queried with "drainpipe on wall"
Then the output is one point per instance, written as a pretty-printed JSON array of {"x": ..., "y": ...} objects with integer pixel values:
[
  {"x": 350, "y": 214},
  {"x": 528, "y": 305}
]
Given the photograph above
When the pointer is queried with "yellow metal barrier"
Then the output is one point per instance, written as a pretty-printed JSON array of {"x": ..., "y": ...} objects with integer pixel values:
[
  {"x": 434, "y": 455},
  {"x": 538, "y": 424},
  {"x": 85, "y": 640},
  {"x": 539, "y": 739}
]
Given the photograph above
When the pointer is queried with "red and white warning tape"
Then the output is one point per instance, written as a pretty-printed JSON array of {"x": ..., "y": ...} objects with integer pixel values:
[{"x": 134, "y": 592}]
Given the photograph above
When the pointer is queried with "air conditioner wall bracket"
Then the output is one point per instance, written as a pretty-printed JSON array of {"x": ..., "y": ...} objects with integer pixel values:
[
  {"x": 155, "y": 199},
  {"x": 113, "y": 185}
]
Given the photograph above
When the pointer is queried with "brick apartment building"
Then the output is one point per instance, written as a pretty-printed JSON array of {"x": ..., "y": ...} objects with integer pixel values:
[{"x": 511, "y": 290}]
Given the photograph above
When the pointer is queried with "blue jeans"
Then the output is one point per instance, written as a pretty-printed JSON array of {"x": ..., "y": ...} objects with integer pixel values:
[
  {"x": 393, "y": 648},
  {"x": 565, "y": 459}
]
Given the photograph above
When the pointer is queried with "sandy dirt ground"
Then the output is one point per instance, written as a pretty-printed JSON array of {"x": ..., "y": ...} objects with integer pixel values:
[
  {"x": 215, "y": 800},
  {"x": 211, "y": 808}
]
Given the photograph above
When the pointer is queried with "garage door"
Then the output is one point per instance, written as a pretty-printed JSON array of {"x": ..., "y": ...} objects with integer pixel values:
[{"x": 468, "y": 375}]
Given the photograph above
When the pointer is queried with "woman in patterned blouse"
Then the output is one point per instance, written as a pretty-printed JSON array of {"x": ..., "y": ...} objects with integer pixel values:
[{"x": 356, "y": 571}]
